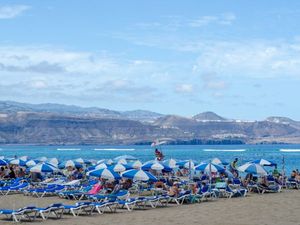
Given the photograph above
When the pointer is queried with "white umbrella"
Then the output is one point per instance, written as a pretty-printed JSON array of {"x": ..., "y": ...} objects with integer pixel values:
[{"x": 253, "y": 168}]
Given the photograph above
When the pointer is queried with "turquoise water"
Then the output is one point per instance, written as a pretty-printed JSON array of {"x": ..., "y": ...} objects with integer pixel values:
[{"x": 144, "y": 153}]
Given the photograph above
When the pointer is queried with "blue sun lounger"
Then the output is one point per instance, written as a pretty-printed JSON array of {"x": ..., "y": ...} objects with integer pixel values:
[
  {"x": 56, "y": 209},
  {"x": 28, "y": 213},
  {"x": 15, "y": 188},
  {"x": 79, "y": 208}
]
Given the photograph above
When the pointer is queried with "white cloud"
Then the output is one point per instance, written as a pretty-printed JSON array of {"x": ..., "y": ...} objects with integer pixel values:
[
  {"x": 12, "y": 11},
  {"x": 223, "y": 19},
  {"x": 39, "y": 84},
  {"x": 185, "y": 88},
  {"x": 252, "y": 58},
  {"x": 50, "y": 60}
]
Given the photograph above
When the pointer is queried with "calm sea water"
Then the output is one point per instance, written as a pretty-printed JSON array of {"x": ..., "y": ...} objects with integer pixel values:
[{"x": 290, "y": 153}]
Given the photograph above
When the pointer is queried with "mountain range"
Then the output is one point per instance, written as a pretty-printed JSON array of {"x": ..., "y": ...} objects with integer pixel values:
[{"x": 57, "y": 124}]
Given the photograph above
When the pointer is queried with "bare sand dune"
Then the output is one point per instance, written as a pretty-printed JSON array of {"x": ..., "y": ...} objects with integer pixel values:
[{"x": 267, "y": 209}]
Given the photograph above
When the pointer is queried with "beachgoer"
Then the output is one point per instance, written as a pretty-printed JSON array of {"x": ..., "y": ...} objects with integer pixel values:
[{"x": 233, "y": 167}]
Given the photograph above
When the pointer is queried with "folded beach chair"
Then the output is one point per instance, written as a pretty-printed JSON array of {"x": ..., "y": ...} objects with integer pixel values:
[
  {"x": 56, "y": 209},
  {"x": 28, "y": 213},
  {"x": 79, "y": 208}
]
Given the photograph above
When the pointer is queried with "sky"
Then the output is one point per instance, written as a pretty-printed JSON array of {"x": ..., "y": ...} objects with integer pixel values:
[{"x": 240, "y": 59}]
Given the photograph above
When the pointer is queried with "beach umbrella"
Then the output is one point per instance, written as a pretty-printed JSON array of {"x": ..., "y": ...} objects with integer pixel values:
[
  {"x": 19, "y": 162},
  {"x": 209, "y": 167},
  {"x": 171, "y": 163},
  {"x": 126, "y": 157},
  {"x": 100, "y": 161},
  {"x": 24, "y": 158},
  {"x": 121, "y": 161},
  {"x": 186, "y": 164},
  {"x": 264, "y": 162},
  {"x": 104, "y": 173},
  {"x": 253, "y": 169},
  {"x": 43, "y": 168},
  {"x": 53, "y": 161},
  {"x": 70, "y": 163},
  {"x": 110, "y": 161},
  {"x": 139, "y": 175},
  {"x": 31, "y": 162},
  {"x": 119, "y": 167},
  {"x": 42, "y": 159},
  {"x": 156, "y": 166},
  {"x": 3, "y": 162},
  {"x": 99, "y": 166},
  {"x": 136, "y": 164},
  {"x": 218, "y": 161},
  {"x": 82, "y": 161}
]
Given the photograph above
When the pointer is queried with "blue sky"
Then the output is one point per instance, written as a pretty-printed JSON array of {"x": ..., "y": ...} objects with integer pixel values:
[{"x": 240, "y": 59}]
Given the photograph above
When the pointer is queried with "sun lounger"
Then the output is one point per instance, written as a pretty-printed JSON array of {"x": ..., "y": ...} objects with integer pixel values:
[
  {"x": 79, "y": 208},
  {"x": 28, "y": 213},
  {"x": 56, "y": 209},
  {"x": 15, "y": 188}
]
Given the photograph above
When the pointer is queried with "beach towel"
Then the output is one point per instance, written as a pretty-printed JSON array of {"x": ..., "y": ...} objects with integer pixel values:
[{"x": 96, "y": 188}]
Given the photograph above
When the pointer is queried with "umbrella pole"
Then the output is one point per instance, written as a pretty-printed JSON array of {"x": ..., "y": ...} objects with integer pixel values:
[
  {"x": 190, "y": 171},
  {"x": 210, "y": 180},
  {"x": 283, "y": 169}
]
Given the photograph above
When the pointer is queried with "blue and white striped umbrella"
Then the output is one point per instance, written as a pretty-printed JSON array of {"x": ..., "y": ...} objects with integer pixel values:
[
  {"x": 264, "y": 162},
  {"x": 139, "y": 175},
  {"x": 171, "y": 163},
  {"x": 31, "y": 162},
  {"x": 70, "y": 163},
  {"x": 53, "y": 161},
  {"x": 253, "y": 169},
  {"x": 121, "y": 161},
  {"x": 136, "y": 164},
  {"x": 99, "y": 166},
  {"x": 119, "y": 167},
  {"x": 105, "y": 174},
  {"x": 156, "y": 166},
  {"x": 24, "y": 158},
  {"x": 210, "y": 167},
  {"x": 43, "y": 168},
  {"x": 126, "y": 157},
  {"x": 3, "y": 162},
  {"x": 218, "y": 161},
  {"x": 186, "y": 164},
  {"x": 19, "y": 162},
  {"x": 42, "y": 159},
  {"x": 83, "y": 161}
]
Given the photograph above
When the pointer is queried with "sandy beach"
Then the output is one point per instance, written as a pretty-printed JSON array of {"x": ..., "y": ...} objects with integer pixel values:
[{"x": 273, "y": 209}]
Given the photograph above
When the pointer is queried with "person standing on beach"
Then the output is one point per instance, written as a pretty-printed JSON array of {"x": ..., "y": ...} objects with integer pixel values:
[{"x": 233, "y": 167}]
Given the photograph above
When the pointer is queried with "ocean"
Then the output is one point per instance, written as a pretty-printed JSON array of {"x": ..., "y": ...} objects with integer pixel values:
[{"x": 199, "y": 153}]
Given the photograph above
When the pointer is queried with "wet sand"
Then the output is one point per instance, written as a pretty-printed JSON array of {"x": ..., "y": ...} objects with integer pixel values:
[{"x": 268, "y": 209}]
